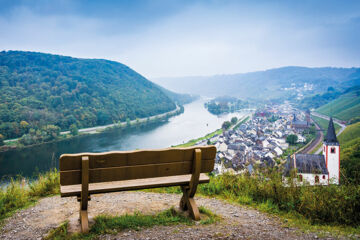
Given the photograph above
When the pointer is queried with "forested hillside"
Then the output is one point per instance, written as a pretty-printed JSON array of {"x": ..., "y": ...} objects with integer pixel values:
[
  {"x": 179, "y": 98},
  {"x": 43, "y": 91}
]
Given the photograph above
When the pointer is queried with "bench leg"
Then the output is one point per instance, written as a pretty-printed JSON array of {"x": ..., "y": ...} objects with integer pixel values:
[
  {"x": 84, "y": 221},
  {"x": 84, "y": 197},
  {"x": 188, "y": 203}
]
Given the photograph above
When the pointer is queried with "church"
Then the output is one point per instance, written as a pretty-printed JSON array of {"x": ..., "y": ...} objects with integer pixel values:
[{"x": 317, "y": 169}]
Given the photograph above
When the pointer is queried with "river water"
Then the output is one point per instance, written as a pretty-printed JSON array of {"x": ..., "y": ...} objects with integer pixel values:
[{"x": 195, "y": 122}]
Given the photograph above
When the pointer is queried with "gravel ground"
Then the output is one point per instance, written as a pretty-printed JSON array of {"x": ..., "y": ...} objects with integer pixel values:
[{"x": 238, "y": 222}]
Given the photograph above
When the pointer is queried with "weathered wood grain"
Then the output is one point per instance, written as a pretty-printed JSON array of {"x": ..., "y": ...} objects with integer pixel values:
[
  {"x": 127, "y": 185},
  {"x": 131, "y": 158}
]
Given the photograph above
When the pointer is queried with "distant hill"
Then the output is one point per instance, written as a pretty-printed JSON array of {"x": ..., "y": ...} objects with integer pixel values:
[
  {"x": 345, "y": 107},
  {"x": 179, "y": 98},
  {"x": 265, "y": 84},
  {"x": 37, "y": 89}
]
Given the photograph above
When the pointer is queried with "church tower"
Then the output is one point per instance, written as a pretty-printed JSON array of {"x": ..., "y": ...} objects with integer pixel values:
[{"x": 331, "y": 152}]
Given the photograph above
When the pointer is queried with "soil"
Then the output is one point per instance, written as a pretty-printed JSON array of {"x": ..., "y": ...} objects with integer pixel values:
[{"x": 237, "y": 222}]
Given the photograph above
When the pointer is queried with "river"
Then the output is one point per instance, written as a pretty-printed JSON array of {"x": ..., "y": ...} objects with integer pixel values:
[{"x": 195, "y": 122}]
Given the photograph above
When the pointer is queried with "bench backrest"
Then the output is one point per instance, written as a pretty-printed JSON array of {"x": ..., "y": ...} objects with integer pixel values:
[{"x": 127, "y": 165}]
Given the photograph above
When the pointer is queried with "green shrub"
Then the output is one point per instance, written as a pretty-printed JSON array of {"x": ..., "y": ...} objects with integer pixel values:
[
  {"x": 13, "y": 197},
  {"x": 46, "y": 184},
  {"x": 320, "y": 204},
  {"x": 19, "y": 193}
]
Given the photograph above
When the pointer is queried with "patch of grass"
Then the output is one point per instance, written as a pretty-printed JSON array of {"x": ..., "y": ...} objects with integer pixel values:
[
  {"x": 350, "y": 133},
  {"x": 19, "y": 194},
  {"x": 59, "y": 232},
  {"x": 208, "y": 216},
  {"x": 194, "y": 141},
  {"x": 109, "y": 224},
  {"x": 113, "y": 224},
  {"x": 241, "y": 122}
]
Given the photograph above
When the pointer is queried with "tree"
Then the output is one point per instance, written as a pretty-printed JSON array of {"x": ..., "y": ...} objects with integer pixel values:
[
  {"x": 291, "y": 139},
  {"x": 128, "y": 123},
  {"x": 1, "y": 140},
  {"x": 226, "y": 125},
  {"x": 74, "y": 130},
  {"x": 234, "y": 120},
  {"x": 24, "y": 124}
]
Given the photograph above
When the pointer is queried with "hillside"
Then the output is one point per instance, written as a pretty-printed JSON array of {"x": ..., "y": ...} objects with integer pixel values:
[
  {"x": 39, "y": 89},
  {"x": 265, "y": 84},
  {"x": 345, "y": 107},
  {"x": 350, "y": 153},
  {"x": 350, "y": 133},
  {"x": 179, "y": 98}
]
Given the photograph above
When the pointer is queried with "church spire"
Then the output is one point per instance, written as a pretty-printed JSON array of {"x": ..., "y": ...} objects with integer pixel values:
[{"x": 331, "y": 135}]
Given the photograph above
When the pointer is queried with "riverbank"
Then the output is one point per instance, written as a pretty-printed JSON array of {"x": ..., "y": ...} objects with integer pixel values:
[
  {"x": 13, "y": 144},
  {"x": 208, "y": 136}
]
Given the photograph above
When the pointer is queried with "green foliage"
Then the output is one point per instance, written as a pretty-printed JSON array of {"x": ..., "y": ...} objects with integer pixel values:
[
  {"x": 234, "y": 120},
  {"x": 178, "y": 98},
  {"x": 74, "y": 130},
  {"x": 318, "y": 100},
  {"x": 43, "y": 89},
  {"x": 321, "y": 204},
  {"x": 225, "y": 104},
  {"x": 13, "y": 197},
  {"x": 350, "y": 153},
  {"x": 45, "y": 185},
  {"x": 45, "y": 134},
  {"x": 1, "y": 139},
  {"x": 350, "y": 161},
  {"x": 291, "y": 139},
  {"x": 19, "y": 194},
  {"x": 354, "y": 120},
  {"x": 226, "y": 125}
]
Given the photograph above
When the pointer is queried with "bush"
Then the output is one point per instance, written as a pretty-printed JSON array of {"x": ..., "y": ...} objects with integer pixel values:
[
  {"x": 320, "y": 204},
  {"x": 19, "y": 194}
]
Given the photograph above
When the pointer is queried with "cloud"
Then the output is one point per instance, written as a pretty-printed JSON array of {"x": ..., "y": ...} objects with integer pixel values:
[{"x": 188, "y": 38}]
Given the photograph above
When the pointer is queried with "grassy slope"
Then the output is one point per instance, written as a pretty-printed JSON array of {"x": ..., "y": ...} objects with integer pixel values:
[
  {"x": 345, "y": 107},
  {"x": 350, "y": 133},
  {"x": 325, "y": 123}
]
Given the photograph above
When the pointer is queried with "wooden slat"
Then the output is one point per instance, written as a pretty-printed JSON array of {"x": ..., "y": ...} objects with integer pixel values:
[
  {"x": 94, "y": 188},
  {"x": 134, "y": 172},
  {"x": 131, "y": 158}
]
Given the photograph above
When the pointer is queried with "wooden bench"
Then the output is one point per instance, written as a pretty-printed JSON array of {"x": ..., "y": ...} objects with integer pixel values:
[{"x": 84, "y": 174}]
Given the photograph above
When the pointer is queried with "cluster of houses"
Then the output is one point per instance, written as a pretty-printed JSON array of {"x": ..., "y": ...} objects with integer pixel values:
[{"x": 257, "y": 142}]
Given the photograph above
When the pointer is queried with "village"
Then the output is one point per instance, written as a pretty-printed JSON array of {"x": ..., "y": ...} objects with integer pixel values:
[{"x": 261, "y": 140}]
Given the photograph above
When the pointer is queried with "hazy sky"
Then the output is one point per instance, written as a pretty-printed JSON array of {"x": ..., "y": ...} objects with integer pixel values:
[{"x": 180, "y": 38}]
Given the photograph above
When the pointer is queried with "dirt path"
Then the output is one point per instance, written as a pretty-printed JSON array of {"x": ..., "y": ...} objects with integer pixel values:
[{"x": 238, "y": 222}]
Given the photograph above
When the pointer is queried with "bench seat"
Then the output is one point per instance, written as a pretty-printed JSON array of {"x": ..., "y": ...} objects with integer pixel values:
[{"x": 135, "y": 184}]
